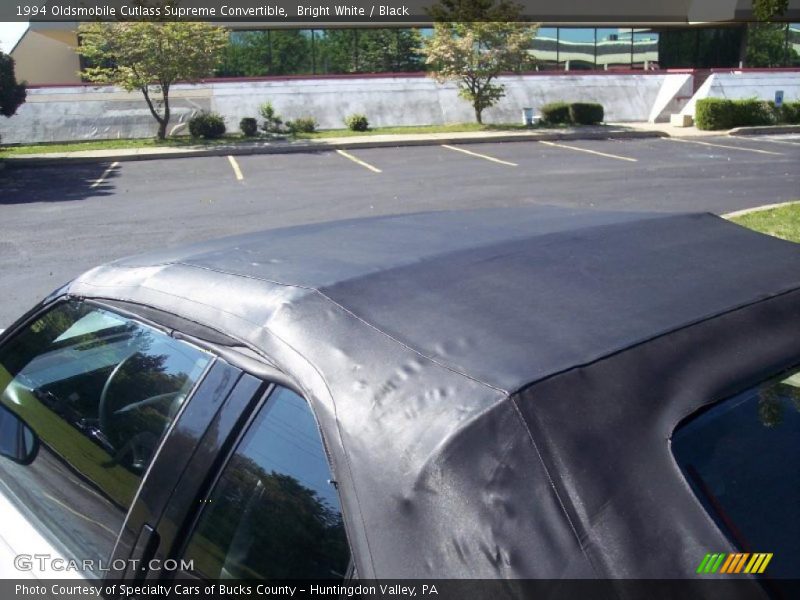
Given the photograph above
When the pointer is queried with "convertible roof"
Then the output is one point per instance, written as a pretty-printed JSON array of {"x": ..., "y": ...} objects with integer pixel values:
[
  {"x": 408, "y": 335},
  {"x": 504, "y": 296}
]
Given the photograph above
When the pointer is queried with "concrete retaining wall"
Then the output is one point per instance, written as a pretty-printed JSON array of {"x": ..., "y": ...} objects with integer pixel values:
[
  {"x": 740, "y": 85},
  {"x": 84, "y": 113}
]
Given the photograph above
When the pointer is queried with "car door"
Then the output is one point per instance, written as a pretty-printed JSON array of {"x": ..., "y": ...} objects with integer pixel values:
[
  {"x": 258, "y": 500},
  {"x": 90, "y": 401}
]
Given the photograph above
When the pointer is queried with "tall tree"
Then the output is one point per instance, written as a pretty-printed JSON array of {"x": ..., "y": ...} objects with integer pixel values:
[
  {"x": 475, "y": 41},
  {"x": 150, "y": 57},
  {"x": 12, "y": 94}
]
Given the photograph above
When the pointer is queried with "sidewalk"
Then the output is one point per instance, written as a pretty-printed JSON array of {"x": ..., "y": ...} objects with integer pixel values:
[{"x": 608, "y": 131}]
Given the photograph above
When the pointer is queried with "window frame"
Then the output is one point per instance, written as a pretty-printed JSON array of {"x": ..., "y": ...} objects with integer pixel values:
[
  {"x": 706, "y": 504},
  {"x": 147, "y": 506},
  {"x": 222, "y": 454}
]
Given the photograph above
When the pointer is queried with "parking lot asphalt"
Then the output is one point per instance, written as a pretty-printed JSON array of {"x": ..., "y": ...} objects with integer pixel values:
[{"x": 58, "y": 221}]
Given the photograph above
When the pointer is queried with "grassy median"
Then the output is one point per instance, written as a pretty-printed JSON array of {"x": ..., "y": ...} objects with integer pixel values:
[
  {"x": 412, "y": 129},
  {"x": 234, "y": 138},
  {"x": 120, "y": 144},
  {"x": 782, "y": 222}
]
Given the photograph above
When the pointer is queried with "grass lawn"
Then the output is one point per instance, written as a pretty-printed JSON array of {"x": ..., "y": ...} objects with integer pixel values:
[
  {"x": 782, "y": 222},
  {"x": 7, "y": 151},
  {"x": 452, "y": 128},
  {"x": 185, "y": 142}
]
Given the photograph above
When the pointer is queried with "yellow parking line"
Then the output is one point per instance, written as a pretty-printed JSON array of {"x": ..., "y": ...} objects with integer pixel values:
[
  {"x": 236, "y": 170},
  {"x": 105, "y": 174},
  {"x": 358, "y": 161},
  {"x": 484, "y": 156},
  {"x": 723, "y": 146},
  {"x": 618, "y": 157}
]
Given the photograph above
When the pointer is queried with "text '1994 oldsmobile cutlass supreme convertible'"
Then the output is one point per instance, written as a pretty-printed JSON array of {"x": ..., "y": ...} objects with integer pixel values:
[{"x": 533, "y": 393}]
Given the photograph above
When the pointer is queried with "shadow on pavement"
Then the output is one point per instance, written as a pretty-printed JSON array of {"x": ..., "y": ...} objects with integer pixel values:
[{"x": 21, "y": 185}]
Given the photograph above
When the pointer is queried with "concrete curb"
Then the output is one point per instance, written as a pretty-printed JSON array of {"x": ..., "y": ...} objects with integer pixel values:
[
  {"x": 326, "y": 146},
  {"x": 765, "y": 130}
]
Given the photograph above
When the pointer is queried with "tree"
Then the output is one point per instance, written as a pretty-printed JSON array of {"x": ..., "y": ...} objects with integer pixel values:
[
  {"x": 12, "y": 94},
  {"x": 474, "y": 41},
  {"x": 150, "y": 57},
  {"x": 764, "y": 10}
]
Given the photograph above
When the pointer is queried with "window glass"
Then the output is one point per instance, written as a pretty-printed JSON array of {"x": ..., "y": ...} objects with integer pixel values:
[
  {"x": 740, "y": 457},
  {"x": 335, "y": 50},
  {"x": 247, "y": 54},
  {"x": 613, "y": 48},
  {"x": 291, "y": 52},
  {"x": 793, "y": 45},
  {"x": 388, "y": 50},
  {"x": 575, "y": 48},
  {"x": 97, "y": 391},
  {"x": 545, "y": 48},
  {"x": 645, "y": 50},
  {"x": 274, "y": 513}
]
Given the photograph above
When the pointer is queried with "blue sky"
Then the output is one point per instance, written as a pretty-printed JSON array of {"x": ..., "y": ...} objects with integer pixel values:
[{"x": 9, "y": 34}]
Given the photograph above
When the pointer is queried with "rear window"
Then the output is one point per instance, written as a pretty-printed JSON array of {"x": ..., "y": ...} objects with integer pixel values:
[{"x": 741, "y": 459}]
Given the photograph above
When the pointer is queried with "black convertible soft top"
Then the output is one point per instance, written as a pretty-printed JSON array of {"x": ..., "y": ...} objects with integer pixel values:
[{"x": 497, "y": 388}]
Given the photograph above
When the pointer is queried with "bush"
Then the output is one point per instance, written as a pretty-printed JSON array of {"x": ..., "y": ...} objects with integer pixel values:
[
  {"x": 714, "y": 113},
  {"x": 357, "y": 122},
  {"x": 249, "y": 126},
  {"x": 302, "y": 125},
  {"x": 755, "y": 112},
  {"x": 272, "y": 122},
  {"x": 207, "y": 125},
  {"x": 586, "y": 113},
  {"x": 555, "y": 113},
  {"x": 789, "y": 112},
  {"x": 718, "y": 113}
]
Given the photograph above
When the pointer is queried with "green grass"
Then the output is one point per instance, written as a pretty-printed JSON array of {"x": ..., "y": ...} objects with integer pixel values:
[
  {"x": 121, "y": 144},
  {"x": 782, "y": 222},
  {"x": 452, "y": 128},
  {"x": 187, "y": 142}
]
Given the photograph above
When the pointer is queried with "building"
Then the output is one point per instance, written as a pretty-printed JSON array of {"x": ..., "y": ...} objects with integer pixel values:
[{"x": 46, "y": 55}]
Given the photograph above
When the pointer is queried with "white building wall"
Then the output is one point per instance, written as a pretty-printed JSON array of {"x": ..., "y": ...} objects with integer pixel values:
[
  {"x": 84, "y": 113},
  {"x": 740, "y": 85}
]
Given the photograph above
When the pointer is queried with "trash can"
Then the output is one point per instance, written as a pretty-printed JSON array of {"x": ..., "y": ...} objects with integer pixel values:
[{"x": 527, "y": 117}]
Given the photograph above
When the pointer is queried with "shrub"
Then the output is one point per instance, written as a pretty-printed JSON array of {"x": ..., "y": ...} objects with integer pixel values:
[
  {"x": 714, "y": 113},
  {"x": 249, "y": 126},
  {"x": 555, "y": 112},
  {"x": 302, "y": 125},
  {"x": 357, "y": 122},
  {"x": 789, "y": 112},
  {"x": 586, "y": 113},
  {"x": 272, "y": 122},
  {"x": 754, "y": 112},
  {"x": 207, "y": 125},
  {"x": 719, "y": 113}
]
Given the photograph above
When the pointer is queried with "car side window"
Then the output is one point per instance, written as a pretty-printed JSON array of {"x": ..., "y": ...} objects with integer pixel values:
[
  {"x": 274, "y": 512},
  {"x": 740, "y": 459},
  {"x": 92, "y": 392}
]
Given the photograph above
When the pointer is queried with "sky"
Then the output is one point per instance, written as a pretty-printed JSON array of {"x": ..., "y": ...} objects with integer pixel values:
[{"x": 9, "y": 34}]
